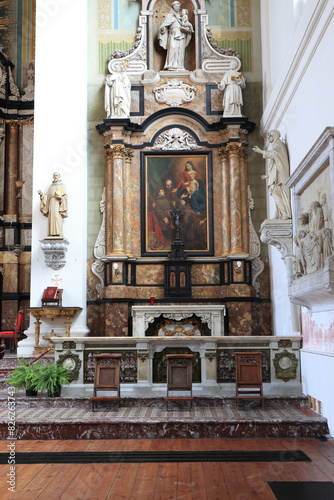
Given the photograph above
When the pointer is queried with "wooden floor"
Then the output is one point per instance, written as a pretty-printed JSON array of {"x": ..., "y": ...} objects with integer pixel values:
[{"x": 186, "y": 481}]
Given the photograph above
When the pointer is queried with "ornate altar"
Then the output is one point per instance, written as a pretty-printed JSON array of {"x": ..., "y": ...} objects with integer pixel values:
[{"x": 180, "y": 146}]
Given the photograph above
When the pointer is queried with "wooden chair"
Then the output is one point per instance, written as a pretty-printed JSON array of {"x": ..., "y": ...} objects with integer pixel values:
[
  {"x": 249, "y": 376},
  {"x": 107, "y": 378},
  {"x": 14, "y": 335},
  {"x": 179, "y": 377}
]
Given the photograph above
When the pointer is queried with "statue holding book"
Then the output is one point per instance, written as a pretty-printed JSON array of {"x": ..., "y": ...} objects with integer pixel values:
[
  {"x": 232, "y": 84},
  {"x": 54, "y": 206}
]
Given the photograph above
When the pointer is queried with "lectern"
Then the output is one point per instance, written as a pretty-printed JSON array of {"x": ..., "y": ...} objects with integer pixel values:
[
  {"x": 179, "y": 377},
  {"x": 107, "y": 378}
]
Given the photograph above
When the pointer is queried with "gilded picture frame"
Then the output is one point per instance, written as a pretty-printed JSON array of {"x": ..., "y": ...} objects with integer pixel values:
[{"x": 169, "y": 181}]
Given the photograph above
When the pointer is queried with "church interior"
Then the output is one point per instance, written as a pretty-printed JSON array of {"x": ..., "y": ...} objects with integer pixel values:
[{"x": 166, "y": 239}]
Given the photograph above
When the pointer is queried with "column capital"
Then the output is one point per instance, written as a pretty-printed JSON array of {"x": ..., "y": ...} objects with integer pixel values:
[
  {"x": 12, "y": 124},
  {"x": 243, "y": 153},
  {"x": 116, "y": 151},
  {"x": 223, "y": 153},
  {"x": 128, "y": 153},
  {"x": 233, "y": 148}
]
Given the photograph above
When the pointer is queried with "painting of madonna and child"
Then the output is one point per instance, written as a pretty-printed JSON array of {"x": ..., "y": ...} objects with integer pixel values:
[{"x": 174, "y": 182}]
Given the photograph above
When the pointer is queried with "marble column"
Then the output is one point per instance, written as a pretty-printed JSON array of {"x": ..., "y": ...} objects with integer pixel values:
[
  {"x": 244, "y": 199},
  {"x": 11, "y": 170},
  {"x": 127, "y": 202},
  {"x": 226, "y": 214},
  {"x": 115, "y": 226},
  {"x": 108, "y": 199},
  {"x": 235, "y": 198}
]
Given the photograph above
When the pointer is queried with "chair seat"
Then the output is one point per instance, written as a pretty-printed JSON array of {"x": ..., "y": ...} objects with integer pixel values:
[
  {"x": 16, "y": 334},
  {"x": 104, "y": 398},
  {"x": 7, "y": 334}
]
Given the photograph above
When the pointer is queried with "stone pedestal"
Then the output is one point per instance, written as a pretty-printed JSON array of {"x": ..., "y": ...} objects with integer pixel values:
[{"x": 54, "y": 250}]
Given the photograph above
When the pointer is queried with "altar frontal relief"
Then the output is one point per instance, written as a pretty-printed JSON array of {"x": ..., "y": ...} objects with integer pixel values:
[{"x": 177, "y": 181}]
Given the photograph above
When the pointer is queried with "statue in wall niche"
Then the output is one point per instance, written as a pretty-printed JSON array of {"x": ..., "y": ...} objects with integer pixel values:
[
  {"x": 29, "y": 90},
  {"x": 54, "y": 206},
  {"x": 117, "y": 93},
  {"x": 174, "y": 36},
  {"x": 277, "y": 174},
  {"x": 232, "y": 84}
]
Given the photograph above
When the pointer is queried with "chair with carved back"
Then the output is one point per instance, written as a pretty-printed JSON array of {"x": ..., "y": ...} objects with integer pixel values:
[
  {"x": 14, "y": 335},
  {"x": 179, "y": 378},
  {"x": 107, "y": 378},
  {"x": 249, "y": 376}
]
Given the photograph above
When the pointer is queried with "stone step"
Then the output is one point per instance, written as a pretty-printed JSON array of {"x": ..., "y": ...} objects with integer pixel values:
[{"x": 37, "y": 420}]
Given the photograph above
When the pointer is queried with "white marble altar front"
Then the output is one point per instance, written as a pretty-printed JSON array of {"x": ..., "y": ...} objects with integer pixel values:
[
  {"x": 212, "y": 315},
  {"x": 283, "y": 358}
]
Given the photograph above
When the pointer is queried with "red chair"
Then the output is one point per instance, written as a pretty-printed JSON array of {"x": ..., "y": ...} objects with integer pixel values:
[{"x": 14, "y": 335}]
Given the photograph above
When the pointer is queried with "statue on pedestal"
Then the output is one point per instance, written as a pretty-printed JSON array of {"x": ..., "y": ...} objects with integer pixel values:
[
  {"x": 231, "y": 84},
  {"x": 174, "y": 36},
  {"x": 117, "y": 94},
  {"x": 54, "y": 206},
  {"x": 277, "y": 174}
]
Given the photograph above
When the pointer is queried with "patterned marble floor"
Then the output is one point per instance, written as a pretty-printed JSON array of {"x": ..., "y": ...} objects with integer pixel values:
[{"x": 158, "y": 414}]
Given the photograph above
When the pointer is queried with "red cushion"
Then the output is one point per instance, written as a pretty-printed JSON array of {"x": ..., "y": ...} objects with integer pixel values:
[{"x": 11, "y": 334}]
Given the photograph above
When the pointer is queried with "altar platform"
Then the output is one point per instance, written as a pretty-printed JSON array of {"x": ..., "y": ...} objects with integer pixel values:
[{"x": 72, "y": 418}]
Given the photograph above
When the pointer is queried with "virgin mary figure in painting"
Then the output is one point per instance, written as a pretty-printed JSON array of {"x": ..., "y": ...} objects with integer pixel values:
[{"x": 184, "y": 181}]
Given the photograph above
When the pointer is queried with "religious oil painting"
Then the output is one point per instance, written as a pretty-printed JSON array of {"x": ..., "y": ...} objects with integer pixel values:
[{"x": 176, "y": 202}]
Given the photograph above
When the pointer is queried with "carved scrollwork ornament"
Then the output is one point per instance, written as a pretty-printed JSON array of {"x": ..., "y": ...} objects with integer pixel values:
[
  {"x": 211, "y": 356},
  {"x": 175, "y": 139},
  {"x": 285, "y": 364},
  {"x": 143, "y": 356},
  {"x": 72, "y": 362}
]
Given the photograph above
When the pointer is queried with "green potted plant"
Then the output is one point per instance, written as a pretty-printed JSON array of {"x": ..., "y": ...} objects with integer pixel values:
[
  {"x": 25, "y": 376},
  {"x": 51, "y": 378}
]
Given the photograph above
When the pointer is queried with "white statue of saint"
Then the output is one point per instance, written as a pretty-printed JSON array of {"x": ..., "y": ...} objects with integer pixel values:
[
  {"x": 277, "y": 174},
  {"x": 117, "y": 93},
  {"x": 231, "y": 84},
  {"x": 174, "y": 36},
  {"x": 54, "y": 206}
]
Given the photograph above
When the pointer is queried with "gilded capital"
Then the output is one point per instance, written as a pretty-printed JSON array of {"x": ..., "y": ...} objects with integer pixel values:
[
  {"x": 12, "y": 125},
  {"x": 233, "y": 148},
  {"x": 243, "y": 153},
  {"x": 116, "y": 151},
  {"x": 128, "y": 153},
  {"x": 223, "y": 153}
]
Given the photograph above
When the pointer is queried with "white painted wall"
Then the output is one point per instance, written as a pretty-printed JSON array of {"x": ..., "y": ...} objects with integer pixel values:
[
  {"x": 317, "y": 376},
  {"x": 298, "y": 101},
  {"x": 60, "y": 145}
]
